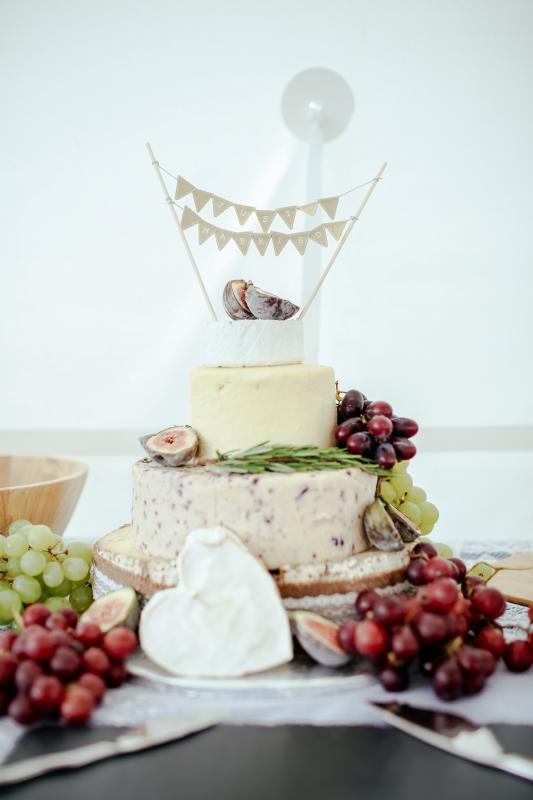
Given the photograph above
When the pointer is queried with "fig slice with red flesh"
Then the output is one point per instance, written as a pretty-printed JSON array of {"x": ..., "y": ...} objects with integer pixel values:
[
  {"x": 264, "y": 305},
  {"x": 234, "y": 300},
  {"x": 171, "y": 447},
  {"x": 318, "y": 637}
]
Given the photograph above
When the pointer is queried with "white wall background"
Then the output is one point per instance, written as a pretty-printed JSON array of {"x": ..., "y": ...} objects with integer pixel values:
[{"x": 429, "y": 305}]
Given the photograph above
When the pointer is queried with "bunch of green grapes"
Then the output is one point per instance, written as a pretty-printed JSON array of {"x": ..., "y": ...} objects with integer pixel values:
[
  {"x": 37, "y": 566},
  {"x": 398, "y": 490}
]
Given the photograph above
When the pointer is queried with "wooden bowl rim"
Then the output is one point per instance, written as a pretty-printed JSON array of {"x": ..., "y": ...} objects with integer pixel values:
[{"x": 80, "y": 470}]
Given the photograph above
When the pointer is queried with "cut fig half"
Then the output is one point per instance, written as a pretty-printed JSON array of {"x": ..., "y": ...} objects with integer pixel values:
[
  {"x": 318, "y": 637},
  {"x": 380, "y": 530},
  {"x": 405, "y": 527},
  {"x": 264, "y": 305},
  {"x": 234, "y": 300},
  {"x": 171, "y": 447}
]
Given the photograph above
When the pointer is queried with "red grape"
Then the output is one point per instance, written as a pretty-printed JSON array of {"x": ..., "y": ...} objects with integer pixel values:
[
  {"x": 37, "y": 614},
  {"x": 404, "y": 448},
  {"x": 7, "y": 639},
  {"x": 94, "y": 684},
  {"x": 359, "y": 444},
  {"x": 380, "y": 426},
  {"x": 22, "y": 711},
  {"x": 431, "y": 628},
  {"x": 364, "y": 602},
  {"x": 425, "y": 548},
  {"x": 78, "y": 705},
  {"x": 518, "y": 655},
  {"x": 457, "y": 625},
  {"x": 89, "y": 634},
  {"x": 437, "y": 568},
  {"x": 5, "y": 699},
  {"x": 415, "y": 571},
  {"x": 70, "y": 615},
  {"x": 345, "y": 430},
  {"x": 351, "y": 404},
  {"x": 403, "y": 426},
  {"x": 530, "y": 613},
  {"x": 394, "y": 680},
  {"x": 460, "y": 566},
  {"x": 27, "y": 672},
  {"x": 490, "y": 602},
  {"x": 378, "y": 407},
  {"x": 404, "y": 644},
  {"x": 440, "y": 595},
  {"x": 116, "y": 674},
  {"x": 385, "y": 456},
  {"x": 345, "y": 636},
  {"x": 370, "y": 638},
  {"x": 57, "y": 621},
  {"x": 39, "y": 646},
  {"x": 448, "y": 680},
  {"x": 95, "y": 660},
  {"x": 8, "y": 666},
  {"x": 47, "y": 693},
  {"x": 389, "y": 611},
  {"x": 60, "y": 637},
  {"x": 473, "y": 683},
  {"x": 66, "y": 663},
  {"x": 120, "y": 643},
  {"x": 473, "y": 660},
  {"x": 491, "y": 639}
]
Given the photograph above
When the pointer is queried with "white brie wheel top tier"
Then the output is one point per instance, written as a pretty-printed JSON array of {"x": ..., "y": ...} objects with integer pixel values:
[
  {"x": 252, "y": 343},
  {"x": 284, "y": 519},
  {"x": 233, "y": 408}
]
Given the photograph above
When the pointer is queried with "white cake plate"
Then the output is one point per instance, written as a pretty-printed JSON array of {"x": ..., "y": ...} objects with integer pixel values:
[{"x": 299, "y": 678}]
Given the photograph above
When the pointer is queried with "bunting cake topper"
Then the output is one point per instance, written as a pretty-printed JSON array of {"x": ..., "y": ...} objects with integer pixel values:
[{"x": 339, "y": 230}]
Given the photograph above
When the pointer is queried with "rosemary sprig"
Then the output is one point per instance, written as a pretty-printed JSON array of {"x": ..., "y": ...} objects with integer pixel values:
[{"x": 267, "y": 457}]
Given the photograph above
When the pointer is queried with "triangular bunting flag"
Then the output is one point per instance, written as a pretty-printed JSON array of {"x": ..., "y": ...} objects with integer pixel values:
[
  {"x": 201, "y": 198},
  {"x": 242, "y": 240},
  {"x": 222, "y": 237},
  {"x": 219, "y": 205},
  {"x": 279, "y": 240},
  {"x": 183, "y": 187},
  {"x": 310, "y": 208},
  {"x": 265, "y": 218},
  {"x": 243, "y": 212},
  {"x": 205, "y": 231},
  {"x": 336, "y": 228},
  {"x": 300, "y": 240},
  {"x": 329, "y": 204},
  {"x": 288, "y": 215},
  {"x": 319, "y": 235},
  {"x": 188, "y": 218},
  {"x": 261, "y": 241}
]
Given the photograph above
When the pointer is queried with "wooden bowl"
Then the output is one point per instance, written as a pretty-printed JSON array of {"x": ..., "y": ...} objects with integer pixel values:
[{"x": 39, "y": 489}]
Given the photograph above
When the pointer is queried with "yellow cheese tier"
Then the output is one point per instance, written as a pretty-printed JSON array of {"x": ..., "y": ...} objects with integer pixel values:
[{"x": 233, "y": 408}]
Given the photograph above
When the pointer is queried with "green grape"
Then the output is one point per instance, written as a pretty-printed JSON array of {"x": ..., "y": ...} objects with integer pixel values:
[
  {"x": 425, "y": 528},
  {"x": 75, "y": 569},
  {"x": 388, "y": 492},
  {"x": 53, "y": 575},
  {"x": 4, "y": 585},
  {"x": 3, "y": 540},
  {"x": 412, "y": 511},
  {"x": 9, "y": 603},
  {"x": 15, "y": 545},
  {"x": 41, "y": 537},
  {"x": 81, "y": 598},
  {"x": 27, "y": 588},
  {"x": 81, "y": 550},
  {"x": 400, "y": 468},
  {"x": 63, "y": 590},
  {"x": 17, "y": 525},
  {"x": 25, "y": 530},
  {"x": 401, "y": 483},
  {"x": 3, "y": 566},
  {"x": 444, "y": 550},
  {"x": 430, "y": 513},
  {"x": 13, "y": 566},
  {"x": 55, "y": 603},
  {"x": 416, "y": 495},
  {"x": 32, "y": 563}
]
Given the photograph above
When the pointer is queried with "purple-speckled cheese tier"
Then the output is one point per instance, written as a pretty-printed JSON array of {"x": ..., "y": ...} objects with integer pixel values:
[{"x": 285, "y": 519}]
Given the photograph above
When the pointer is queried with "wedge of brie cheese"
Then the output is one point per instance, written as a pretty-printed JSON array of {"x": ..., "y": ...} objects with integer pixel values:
[{"x": 224, "y": 619}]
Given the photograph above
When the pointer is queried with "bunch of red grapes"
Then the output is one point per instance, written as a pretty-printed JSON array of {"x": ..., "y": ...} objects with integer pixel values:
[
  {"x": 369, "y": 428},
  {"x": 448, "y": 629},
  {"x": 59, "y": 667}
]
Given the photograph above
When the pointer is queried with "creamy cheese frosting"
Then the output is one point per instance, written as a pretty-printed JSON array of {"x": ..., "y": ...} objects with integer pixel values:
[{"x": 224, "y": 619}]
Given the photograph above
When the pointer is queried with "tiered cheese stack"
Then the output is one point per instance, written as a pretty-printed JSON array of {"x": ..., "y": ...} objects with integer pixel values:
[{"x": 306, "y": 527}]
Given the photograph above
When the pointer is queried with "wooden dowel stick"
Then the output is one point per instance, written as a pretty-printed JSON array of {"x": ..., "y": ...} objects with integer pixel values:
[
  {"x": 172, "y": 208},
  {"x": 342, "y": 241}
]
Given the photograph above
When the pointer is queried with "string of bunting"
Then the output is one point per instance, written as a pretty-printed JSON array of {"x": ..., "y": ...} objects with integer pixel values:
[
  {"x": 243, "y": 239},
  {"x": 265, "y": 216}
]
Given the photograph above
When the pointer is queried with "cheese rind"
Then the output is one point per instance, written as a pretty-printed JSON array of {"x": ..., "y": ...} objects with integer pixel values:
[
  {"x": 233, "y": 408},
  {"x": 284, "y": 519},
  {"x": 252, "y": 343}
]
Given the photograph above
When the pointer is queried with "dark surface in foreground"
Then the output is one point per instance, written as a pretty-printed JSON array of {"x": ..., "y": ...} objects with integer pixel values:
[{"x": 255, "y": 763}]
